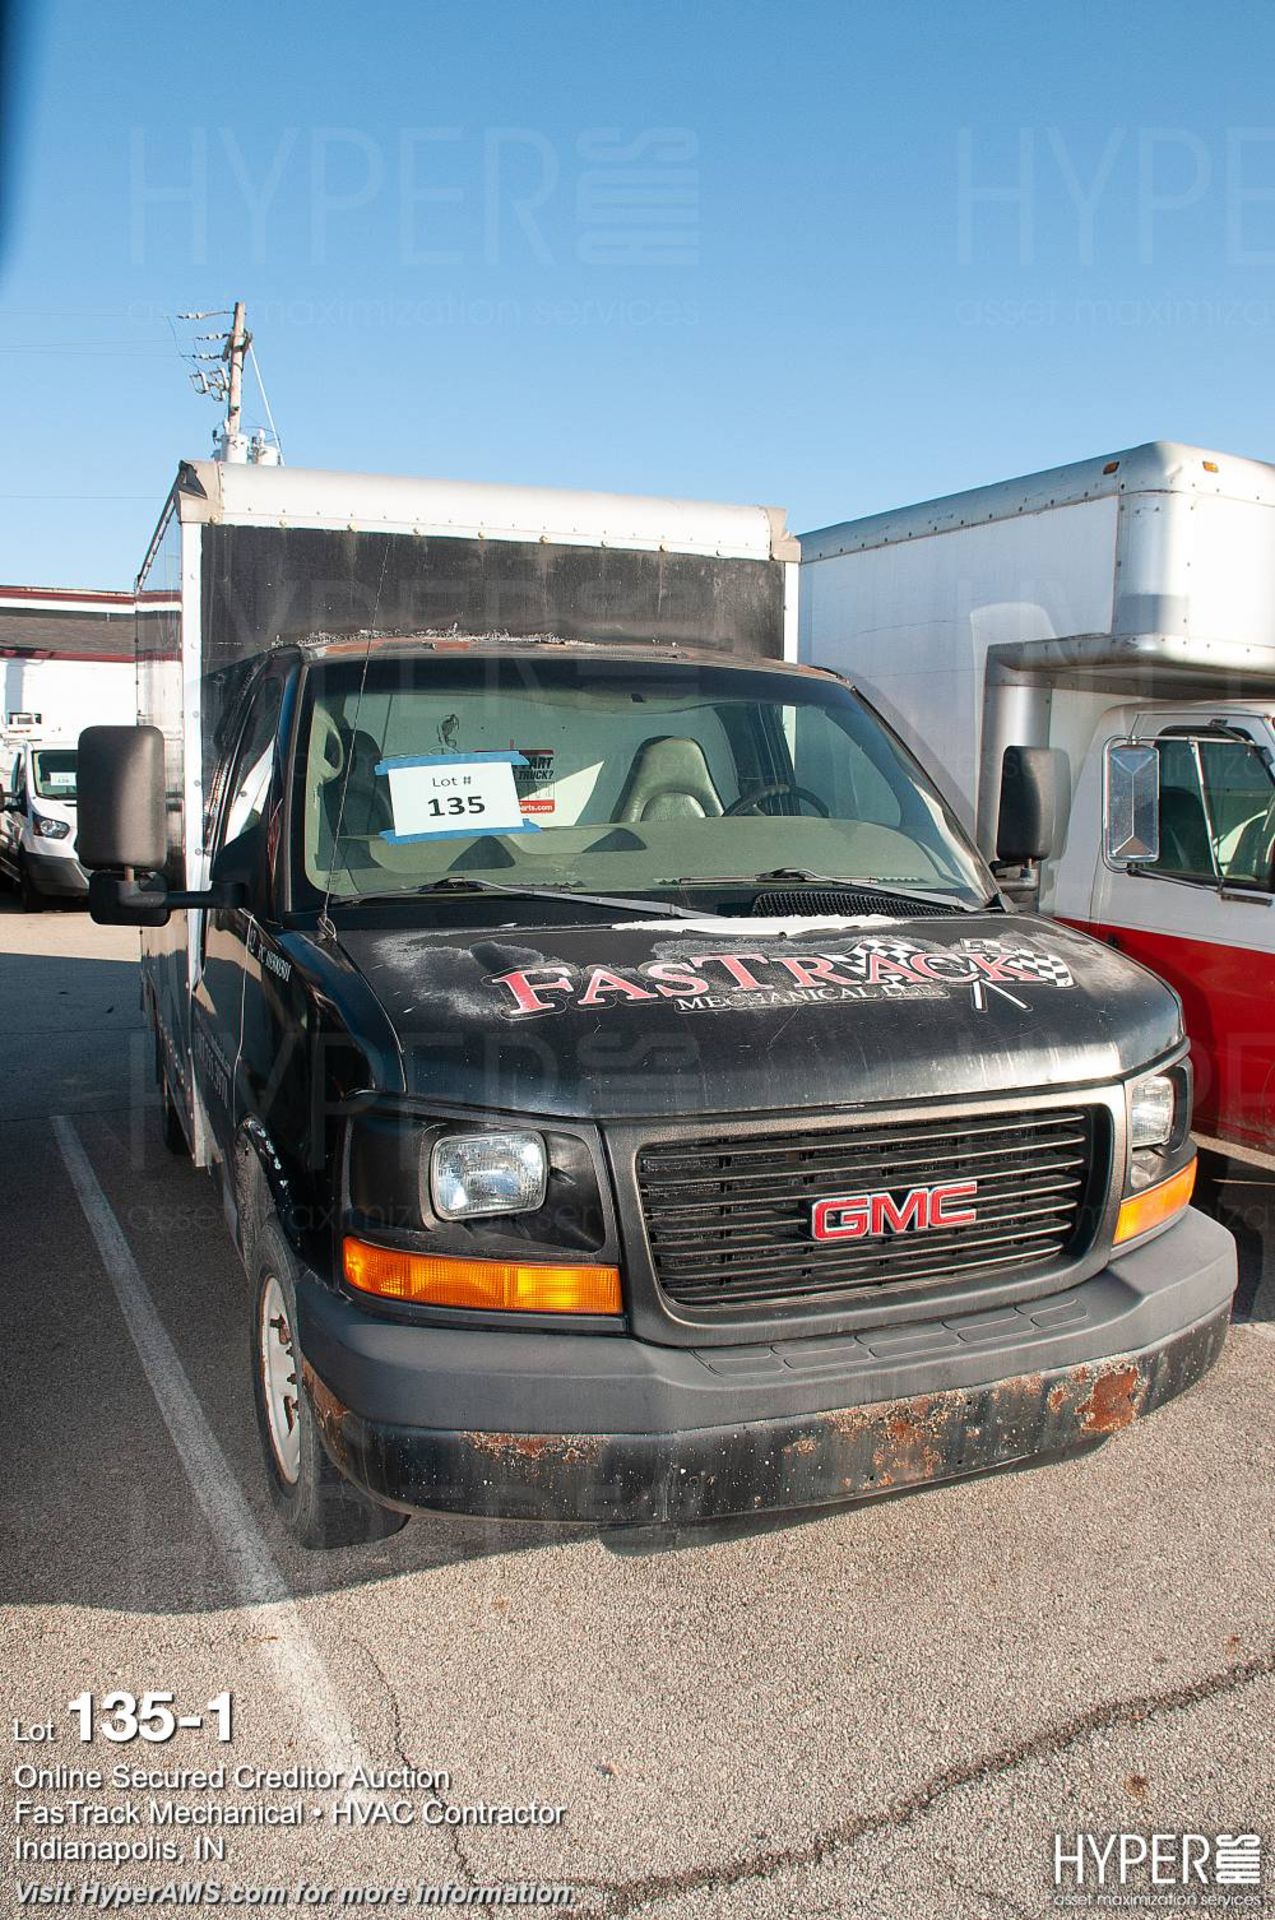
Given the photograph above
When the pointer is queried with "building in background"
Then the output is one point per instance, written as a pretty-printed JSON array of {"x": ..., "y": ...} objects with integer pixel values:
[{"x": 66, "y": 661}]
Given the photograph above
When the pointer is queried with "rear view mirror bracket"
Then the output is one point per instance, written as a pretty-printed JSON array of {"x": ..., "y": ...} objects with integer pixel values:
[{"x": 123, "y": 900}]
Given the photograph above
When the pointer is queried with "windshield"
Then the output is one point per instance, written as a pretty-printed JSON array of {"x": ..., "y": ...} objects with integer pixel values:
[
  {"x": 53, "y": 773},
  {"x": 618, "y": 776}
]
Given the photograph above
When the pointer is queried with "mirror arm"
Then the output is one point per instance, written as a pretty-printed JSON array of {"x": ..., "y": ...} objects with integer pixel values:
[{"x": 222, "y": 893}]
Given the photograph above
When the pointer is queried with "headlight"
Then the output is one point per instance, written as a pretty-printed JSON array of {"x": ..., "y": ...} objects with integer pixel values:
[
  {"x": 473, "y": 1173},
  {"x": 50, "y": 829},
  {"x": 1152, "y": 1111}
]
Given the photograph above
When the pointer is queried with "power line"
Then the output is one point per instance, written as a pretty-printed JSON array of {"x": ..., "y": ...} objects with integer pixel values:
[
  {"x": 265, "y": 400},
  {"x": 78, "y": 496},
  {"x": 79, "y": 348}
]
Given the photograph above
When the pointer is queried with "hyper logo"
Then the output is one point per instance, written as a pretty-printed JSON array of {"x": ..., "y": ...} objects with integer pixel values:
[
  {"x": 1149, "y": 1862},
  {"x": 870, "y": 968},
  {"x": 869, "y": 1216}
]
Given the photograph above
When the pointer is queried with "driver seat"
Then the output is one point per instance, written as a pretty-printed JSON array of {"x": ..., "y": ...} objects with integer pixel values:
[
  {"x": 669, "y": 780},
  {"x": 1184, "y": 833}
]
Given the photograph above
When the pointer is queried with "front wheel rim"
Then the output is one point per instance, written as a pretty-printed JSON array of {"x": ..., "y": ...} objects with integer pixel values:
[{"x": 281, "y": 1389}]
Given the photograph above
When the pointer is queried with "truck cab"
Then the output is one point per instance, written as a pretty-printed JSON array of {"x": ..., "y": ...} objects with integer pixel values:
[
  {"x": 1201, "y": 912},
  {"x": 1017, "y": 632}
]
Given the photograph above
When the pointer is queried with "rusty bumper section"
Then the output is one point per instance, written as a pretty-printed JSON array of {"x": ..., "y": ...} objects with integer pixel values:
[{"x": 645, "y": 1479}]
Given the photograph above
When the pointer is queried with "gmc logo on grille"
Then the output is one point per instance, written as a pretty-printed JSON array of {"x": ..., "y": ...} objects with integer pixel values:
[{"x": 866, "y": 1216}]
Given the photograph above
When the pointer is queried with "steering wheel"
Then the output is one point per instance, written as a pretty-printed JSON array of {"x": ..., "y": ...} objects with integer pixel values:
[{"x": 749, "y": 802}]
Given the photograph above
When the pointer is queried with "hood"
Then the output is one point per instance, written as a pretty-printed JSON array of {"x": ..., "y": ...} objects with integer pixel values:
[{"x": 671, "y": 1018}]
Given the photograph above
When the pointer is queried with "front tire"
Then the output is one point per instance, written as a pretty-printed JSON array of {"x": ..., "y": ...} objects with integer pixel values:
[
  {"x": 29, "y": 894},
  {"x": 317, "y": 1504}
]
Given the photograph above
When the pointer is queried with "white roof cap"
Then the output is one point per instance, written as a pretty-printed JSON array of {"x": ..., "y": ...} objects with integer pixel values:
[
  {"x": 464, "y": 509},
  {"x": 1158, "y": 466}
]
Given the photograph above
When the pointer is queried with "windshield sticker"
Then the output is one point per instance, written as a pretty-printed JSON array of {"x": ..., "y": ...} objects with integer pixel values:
[
  {"x": 451, "y": 796},
  {"x": 534, "y": 780},
  {"x": 873, "y": 968}
]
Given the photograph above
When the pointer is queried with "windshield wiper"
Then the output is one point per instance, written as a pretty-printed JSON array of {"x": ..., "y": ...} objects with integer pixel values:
[
  {"x": 877, "y": 890},
  {"x": 466, "y": 883}
]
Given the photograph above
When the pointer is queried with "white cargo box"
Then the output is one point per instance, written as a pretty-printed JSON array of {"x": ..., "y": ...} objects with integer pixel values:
[{"x": 1150, "y": 571}]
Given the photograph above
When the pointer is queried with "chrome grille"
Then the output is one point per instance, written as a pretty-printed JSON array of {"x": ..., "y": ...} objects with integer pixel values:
[{"x": 729, "y": 1220}]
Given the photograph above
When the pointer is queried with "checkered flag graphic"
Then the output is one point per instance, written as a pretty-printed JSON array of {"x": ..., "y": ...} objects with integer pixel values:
[
  {"x": 901, "y": 950},
  {"x": 1046, "y": 967}
]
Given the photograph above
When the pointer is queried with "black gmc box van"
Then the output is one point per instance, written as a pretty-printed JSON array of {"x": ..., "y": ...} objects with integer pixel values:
[{"x": 635, "y": 1099}]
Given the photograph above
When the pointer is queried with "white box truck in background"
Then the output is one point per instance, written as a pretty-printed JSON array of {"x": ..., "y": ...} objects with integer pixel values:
[{"x": 1116, "y": 618}]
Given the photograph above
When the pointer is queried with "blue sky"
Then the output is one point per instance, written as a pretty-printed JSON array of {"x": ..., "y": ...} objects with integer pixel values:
[{"x": 720, "y": 249}]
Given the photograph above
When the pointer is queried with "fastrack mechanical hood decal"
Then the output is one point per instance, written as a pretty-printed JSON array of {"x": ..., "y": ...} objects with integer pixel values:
[
  {"x": 612, "y": 1020},
  {"x": 873, "y": 968}
]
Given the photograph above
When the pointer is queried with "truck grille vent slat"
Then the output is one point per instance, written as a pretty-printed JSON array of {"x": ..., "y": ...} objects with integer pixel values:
[
  {"x": 981, "y": 1132},
  {"x": 845, "y": 902},
  {"x": 686, "y": 1245},
  {"x": 765, "y": 1210},
  {"x": 912, "y": 1167},
  {"x": 729, "y": 1221}
]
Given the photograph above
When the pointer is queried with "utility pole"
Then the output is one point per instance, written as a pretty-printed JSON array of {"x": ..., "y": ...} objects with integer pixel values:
[
  {"x": 230, "y": 442},
  {"x": 238, "y": 340}
]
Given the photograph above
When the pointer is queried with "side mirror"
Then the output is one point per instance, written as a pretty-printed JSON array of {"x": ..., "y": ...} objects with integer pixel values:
[
  {"x": 123, "y": 823},
  {"x": 123, "y": 812},
  {"x": 1130, "y": 803},
  {"x": 1027, "y": 825}
]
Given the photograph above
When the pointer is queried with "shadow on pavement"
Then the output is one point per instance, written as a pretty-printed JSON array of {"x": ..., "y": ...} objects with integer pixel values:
[{"x": 1242, "y": 1197}]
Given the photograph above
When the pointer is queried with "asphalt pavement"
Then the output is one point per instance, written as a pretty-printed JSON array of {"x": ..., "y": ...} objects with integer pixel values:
[{"x": 887, "y": 1711}]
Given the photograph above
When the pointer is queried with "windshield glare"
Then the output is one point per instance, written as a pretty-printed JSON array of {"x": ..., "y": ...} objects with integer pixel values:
[
  {"x": 616, "y": 776},
  {"x": 53, "y": 773}
]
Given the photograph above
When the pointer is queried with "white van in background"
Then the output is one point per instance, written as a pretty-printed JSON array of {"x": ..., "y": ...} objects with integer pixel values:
[{"x": 38, "y": 824}]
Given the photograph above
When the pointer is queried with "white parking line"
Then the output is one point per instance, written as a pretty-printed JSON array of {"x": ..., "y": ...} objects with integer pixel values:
[{"x": 295, "y": 1661}]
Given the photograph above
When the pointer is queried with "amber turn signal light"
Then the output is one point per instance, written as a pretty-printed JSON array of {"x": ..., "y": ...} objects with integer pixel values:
[
  {"x": 1154, "y": 1205},
  {"x": 504, "y": 1286}
]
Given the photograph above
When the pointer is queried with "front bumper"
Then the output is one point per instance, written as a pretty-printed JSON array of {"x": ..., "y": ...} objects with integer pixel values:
[
  {"x": 57, "y": 874},
  {"x": 619, "y": 1432}
]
